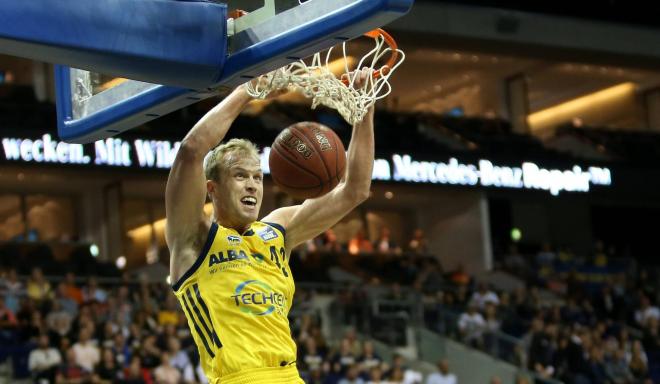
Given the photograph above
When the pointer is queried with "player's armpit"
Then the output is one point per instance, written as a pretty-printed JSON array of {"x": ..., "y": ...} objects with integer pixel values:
[{"x": 314, "y": 216}]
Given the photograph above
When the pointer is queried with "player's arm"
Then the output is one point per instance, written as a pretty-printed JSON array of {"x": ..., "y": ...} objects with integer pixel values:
[
  {"x": 185, "y": 193},
  {"x": 314, "y": 216}
]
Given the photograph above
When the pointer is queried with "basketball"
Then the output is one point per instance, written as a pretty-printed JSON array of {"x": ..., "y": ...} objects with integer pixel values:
[{"x": 307, "y": 160}]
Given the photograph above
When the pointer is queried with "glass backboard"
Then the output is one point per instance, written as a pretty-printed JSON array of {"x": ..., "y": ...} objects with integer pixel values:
[{"x": 93, "y": 106}]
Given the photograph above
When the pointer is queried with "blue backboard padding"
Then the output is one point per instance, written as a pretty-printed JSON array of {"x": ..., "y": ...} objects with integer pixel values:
[{"x": 156, "y": 41}]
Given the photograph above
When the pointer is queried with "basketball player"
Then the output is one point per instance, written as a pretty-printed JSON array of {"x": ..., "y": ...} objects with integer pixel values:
[{"x": 231, "y": 275}]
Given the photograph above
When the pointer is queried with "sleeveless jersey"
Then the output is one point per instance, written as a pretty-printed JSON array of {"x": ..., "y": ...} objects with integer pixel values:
[{"x": 236, "y": 297}]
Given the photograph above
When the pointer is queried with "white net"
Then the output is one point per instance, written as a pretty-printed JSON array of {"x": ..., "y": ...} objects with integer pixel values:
[{"x": 317, "y": 82}]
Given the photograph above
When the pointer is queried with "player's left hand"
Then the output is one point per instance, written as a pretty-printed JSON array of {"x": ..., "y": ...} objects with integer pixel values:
[{"x": 359, "y": 77}]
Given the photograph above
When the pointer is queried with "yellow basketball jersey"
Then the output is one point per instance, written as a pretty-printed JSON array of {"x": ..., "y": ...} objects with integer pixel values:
[{"x": 236, "y": 297}]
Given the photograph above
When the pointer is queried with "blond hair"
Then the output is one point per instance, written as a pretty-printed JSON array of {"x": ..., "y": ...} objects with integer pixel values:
[{"x": 219, "y": 158}]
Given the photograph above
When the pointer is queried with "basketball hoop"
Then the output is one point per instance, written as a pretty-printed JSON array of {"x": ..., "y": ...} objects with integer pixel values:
[{"x": 317, "y": 82}]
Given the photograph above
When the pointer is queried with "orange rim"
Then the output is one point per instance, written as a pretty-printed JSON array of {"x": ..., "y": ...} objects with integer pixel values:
[
  {"x": 236, "y": 13},
  {"x": 389, "y": 40}
]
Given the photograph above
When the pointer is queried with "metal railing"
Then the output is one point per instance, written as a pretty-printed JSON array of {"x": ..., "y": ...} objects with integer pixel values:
[{"x": 432, "y": 347}]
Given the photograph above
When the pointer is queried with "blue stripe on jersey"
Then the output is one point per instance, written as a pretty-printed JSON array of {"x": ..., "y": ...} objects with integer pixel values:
[
  {"x": 208, "y": 315},
  {"x": 199, "y": 331},
  {"x": 199, "y": 316}
]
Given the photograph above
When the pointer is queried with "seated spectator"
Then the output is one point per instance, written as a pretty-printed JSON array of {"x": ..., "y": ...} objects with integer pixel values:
[
  {"x": 375, "y": 376},
  {"x": 72, "y": 290},
  {"x": 329, "y": 242},
  {"x": 107, "y": 337},
  {"x": 646, "y": 311},
  {"x": 71, "y": 372},
  {"x": 149, "y": 353},
  {"x": 8, "y": 323},
  {"x": 520, "y": 379},
  {"x": 647, "y": 282},
  {"x": 86, "y": 352},
  {"x": 134, "y": 373},
  {"x": 169, "y": 313},
  {"x": 64, "y": 301},
  {"x": 597, "y": 369},
  {"x": 163, "y": 336},
  {"x": 352, "y": 376},
  {"x": 58, "y": 322},
  {"x": 431, "y": 278},
  {"x": 43, "y": 361},
  {"x": 166, "y": 373},
  {"x": 396, "y": 293},
  {"x": 617, "y": 368},
  {"x": 418, "y": 244},
  {"x": 178, "y": 359},
  {"x": 566, "y": 255},
  {"x": 359, "y": 244},
  {"x": 443, "y": 376},
  {"x": 514, "y": 261},
  {"x": 384, "y": 244},
  {"x": 311, "y": 246},
  {"x": 107, "y": 371},
  {"x": 397, "y": 364},
  {"x": 194, "y": 375},
  {"x": 573, "y": 313},
  {"x": 542, "y": 349},
  {"x": 313, "y": 377},
  {"x": 345, "y": 356},
  {"x": 638, "y": 361},
  {"x": 412, "y": 377},
  {"x": 351, "y": 335},
  {"x": 560, "y": 358},
  {"x": 491, "y": 328},
  {"x": 317, "y": 335},
  {"x": 395, "y": 375},
  {"x": 29, "y": 331},
  {"x": 121, "y": 349},
  {"x": 482, "y": 296},
  {"x": 13, "y": 289},
  {"x": 92, "y": 292},
  {"x": 311, "y": 358},
  {"x": 607, "y": 304},
  {"x": 332, "y": 372},
  {"x": 471, "y": 326},
  {"x": 599, "y": 255},
  {"x": 651, "y": 340},
  {"x": 459, "y": 276},
  {"x": 38, "y": 289},
  {"x": 369, "y": 358},
  {"x": 546, "y": 256},
  {"x": 303, "y": 324},
  {"x": 399, "y": 373}
]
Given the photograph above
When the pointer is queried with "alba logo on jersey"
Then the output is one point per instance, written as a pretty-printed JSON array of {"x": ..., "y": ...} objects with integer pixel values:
[
  {"x": 220, "y": 257},
  {"x": 257, "y": 298}
]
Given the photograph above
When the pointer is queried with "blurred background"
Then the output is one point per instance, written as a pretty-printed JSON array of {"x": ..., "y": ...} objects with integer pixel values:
[{"x": 510, "y": 235}]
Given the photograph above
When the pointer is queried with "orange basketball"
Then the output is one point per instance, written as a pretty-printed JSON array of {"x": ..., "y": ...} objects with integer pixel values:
[{"x": 307, "y": 160}]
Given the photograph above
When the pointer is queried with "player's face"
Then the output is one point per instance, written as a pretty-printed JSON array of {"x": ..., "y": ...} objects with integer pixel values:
[{"x": 241, "y": 191}]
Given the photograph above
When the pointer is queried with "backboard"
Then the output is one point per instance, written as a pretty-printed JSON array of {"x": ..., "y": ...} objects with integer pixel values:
[{"x": 93, "y": 106}]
